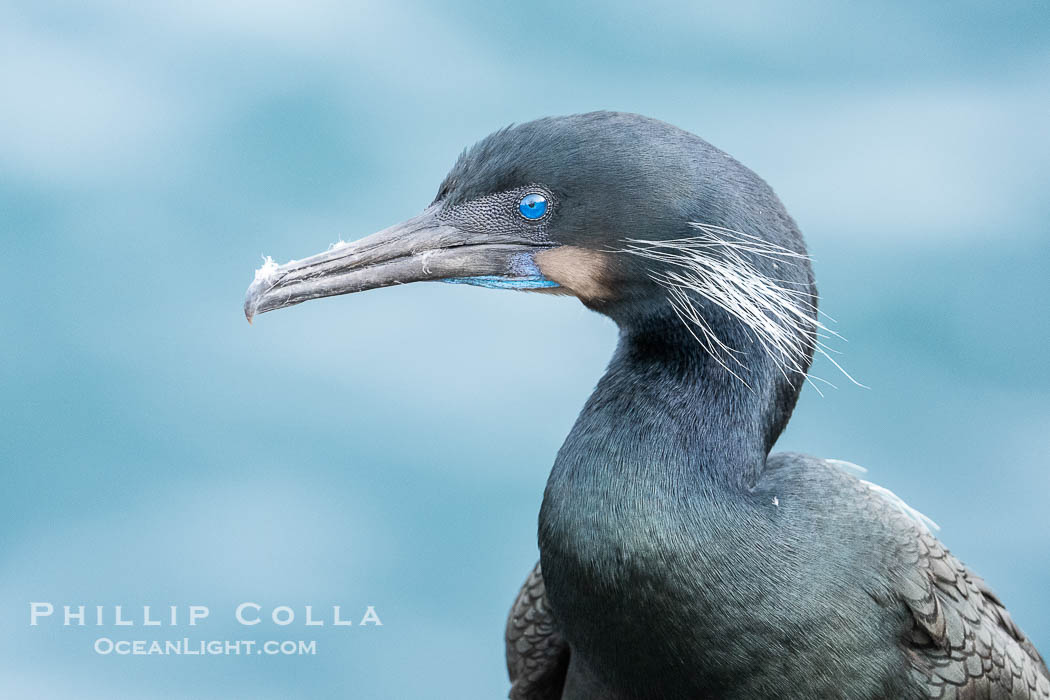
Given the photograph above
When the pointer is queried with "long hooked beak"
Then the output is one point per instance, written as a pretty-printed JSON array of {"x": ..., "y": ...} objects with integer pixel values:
[{"x": 423, "y": 248}]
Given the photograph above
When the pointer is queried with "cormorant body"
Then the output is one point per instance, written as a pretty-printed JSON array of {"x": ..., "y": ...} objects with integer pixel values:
[{"x": 678, "y": 558}]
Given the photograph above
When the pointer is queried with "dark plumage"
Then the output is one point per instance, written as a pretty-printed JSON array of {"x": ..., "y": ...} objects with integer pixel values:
[{"x": 679, "y": 559}]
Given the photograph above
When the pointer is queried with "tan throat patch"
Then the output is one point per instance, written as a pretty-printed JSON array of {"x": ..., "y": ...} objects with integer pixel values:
[{"x": 580, "y": 271}]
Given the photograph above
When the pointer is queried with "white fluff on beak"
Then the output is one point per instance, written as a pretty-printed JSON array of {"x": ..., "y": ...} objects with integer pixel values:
[{"x": 267, "y": 270}]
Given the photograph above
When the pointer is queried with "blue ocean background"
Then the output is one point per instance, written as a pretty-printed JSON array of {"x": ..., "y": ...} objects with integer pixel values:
[{"x": 391, "y": 448}]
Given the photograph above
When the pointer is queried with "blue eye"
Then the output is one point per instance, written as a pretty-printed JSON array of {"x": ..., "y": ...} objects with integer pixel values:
[{"x": 533, "y": 206}]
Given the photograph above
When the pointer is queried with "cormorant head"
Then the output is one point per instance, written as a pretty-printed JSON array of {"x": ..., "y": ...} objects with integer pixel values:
[{"x": 640, "y": 220}]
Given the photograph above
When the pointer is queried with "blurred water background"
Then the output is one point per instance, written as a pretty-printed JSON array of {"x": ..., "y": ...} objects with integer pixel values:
[{"x": 156, "y": 449}]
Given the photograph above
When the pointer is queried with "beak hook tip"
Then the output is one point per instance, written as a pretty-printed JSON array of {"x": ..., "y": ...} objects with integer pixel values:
[{"x": 250, "y": 307}]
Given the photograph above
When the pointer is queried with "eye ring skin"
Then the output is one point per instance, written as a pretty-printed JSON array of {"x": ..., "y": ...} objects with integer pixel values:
[{"x": 534, "y": 206}]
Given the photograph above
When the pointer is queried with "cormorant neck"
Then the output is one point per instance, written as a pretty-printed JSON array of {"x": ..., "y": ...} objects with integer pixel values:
[
  {"x": 667, "y": 412},
  {"x": 651, "y": 489}
]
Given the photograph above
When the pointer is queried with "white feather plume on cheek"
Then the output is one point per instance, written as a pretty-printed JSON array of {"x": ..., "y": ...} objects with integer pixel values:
[{"x": 717, "y": 265}]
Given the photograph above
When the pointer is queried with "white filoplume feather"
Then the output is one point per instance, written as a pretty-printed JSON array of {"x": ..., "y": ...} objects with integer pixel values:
[{"x": 713, "y": 265}]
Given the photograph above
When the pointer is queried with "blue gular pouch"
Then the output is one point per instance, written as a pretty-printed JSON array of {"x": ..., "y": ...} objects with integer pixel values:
[{"x": 524, "y": 274}]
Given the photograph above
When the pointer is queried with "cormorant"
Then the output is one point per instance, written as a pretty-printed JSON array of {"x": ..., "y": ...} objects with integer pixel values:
[{"x": 679, "y": 558}]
